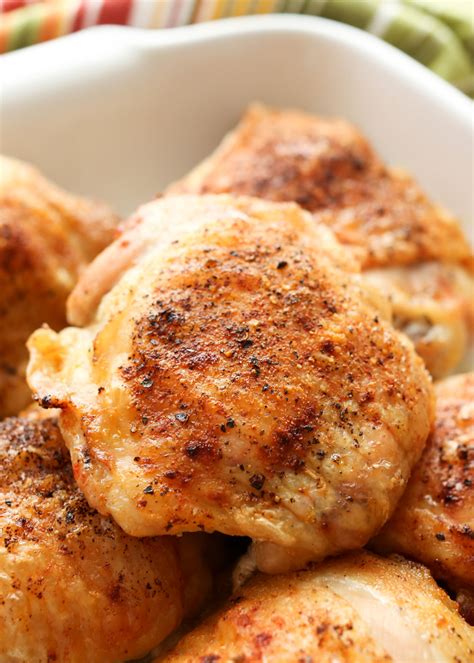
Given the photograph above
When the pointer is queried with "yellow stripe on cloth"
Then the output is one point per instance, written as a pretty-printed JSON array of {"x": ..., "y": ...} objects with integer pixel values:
[
  {"x": 240, "y": 7},
  {"x": 264, "y": 6}
]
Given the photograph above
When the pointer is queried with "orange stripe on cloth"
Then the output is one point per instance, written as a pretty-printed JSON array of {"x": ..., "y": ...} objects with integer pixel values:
[
  {"x": 50, "y": 26},
  {"x": 195, "y": 11},
  {"x": 59, "y": 20},
  {"x": 3, "y": 36},
  {"x": 219, "y": 6}
]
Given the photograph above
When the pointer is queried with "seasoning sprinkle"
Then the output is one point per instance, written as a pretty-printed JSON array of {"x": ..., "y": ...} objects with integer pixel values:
[{"x": 257, "y": 481}]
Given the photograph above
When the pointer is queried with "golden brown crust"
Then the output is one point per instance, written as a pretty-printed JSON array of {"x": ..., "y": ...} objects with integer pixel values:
[
  {"x": 73, "y": 586},
  {"x": 29, "y": 297},
  {"x": 434, "y": 521},
  {"x": 237, "y": 378},
  {"x": 329, "y": 168},
  {"x": 357, "y": 609},
  {"x": 46, "y": 238},
  {"x": 90, "y": 224}
]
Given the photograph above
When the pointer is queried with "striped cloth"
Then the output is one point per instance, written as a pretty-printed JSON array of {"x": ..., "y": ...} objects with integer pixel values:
[{"x": 438, "y": 33}]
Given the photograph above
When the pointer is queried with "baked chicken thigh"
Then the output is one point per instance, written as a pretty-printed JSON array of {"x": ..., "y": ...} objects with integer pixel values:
[
  {"x": 238, "y": 376},
  {"x": 46, "y": 238},
  {"x": 434, "y": 520},
  {"x": 329, "y": 168},
  {"x": 73, "y": 586},
  {"x": 359, "y": 608}
]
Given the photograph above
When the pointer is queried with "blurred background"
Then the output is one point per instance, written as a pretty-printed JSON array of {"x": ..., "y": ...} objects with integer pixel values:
[{"x": 437, "y": 33}]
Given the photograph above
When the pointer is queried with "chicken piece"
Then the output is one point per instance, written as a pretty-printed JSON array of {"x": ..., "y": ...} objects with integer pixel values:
[
  {"x": 237, "y": 377},
  {"x": 46, "y": 237},
  {"x": 73, "y": 586},
  {"x": 433, "y": 304},
  {"x": 329, "y": 168},
  {"x": 434, "y": 520},
  {"x": 358, "y": 608}
]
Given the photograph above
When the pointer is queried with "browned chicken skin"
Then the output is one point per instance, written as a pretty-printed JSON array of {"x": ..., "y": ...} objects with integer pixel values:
[
  {"x": 237, "y": 377},
  {"x": 73, "y": 586},
  {"x": 329, "y": 168},
  {"x": 357, "y": 609},
  {"x": 434, "y": 520},
  {"x": 46, "y": 238}
]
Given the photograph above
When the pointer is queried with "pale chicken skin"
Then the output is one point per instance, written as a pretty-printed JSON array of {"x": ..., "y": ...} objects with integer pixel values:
[
  {"x": 433, "y": 304},
  {"x": 46, "y": 237},
  {"x": 434, "y": 520},
  {"x": 329, "y": 168},
  {"x": 73, "y": 586},
  {"x": 236, "y": 377},
  {"x": 357, "y": 609}
]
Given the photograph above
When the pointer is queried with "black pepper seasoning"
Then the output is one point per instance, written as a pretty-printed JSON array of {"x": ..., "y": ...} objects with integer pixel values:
[{"x": 257, "y": 481}]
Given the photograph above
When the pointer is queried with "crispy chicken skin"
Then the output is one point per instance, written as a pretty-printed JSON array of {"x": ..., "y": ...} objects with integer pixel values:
[
  {"x": 357, "y": 609},
  {"x": 46, "y": 237},
  {"x": 329, "y": 168},
  {"x": 237, "y": 377},
  {"x": 73, "y": 586},
  {"x": 326, "y": 166},
  {"x": 434, "y": 520}
]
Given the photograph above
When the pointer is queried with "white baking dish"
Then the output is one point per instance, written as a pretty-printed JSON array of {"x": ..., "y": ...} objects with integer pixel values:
[{"x": 119, "y": 112}]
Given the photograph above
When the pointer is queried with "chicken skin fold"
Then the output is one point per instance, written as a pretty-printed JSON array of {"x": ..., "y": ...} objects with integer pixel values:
[
  {"x": 73, "y": 586},
  {"x": 234, "y": 374},
  {"x": 330, "y": 169},
  {"x": 357, "y": 609},
  {"x": 46, "y": 237},
  {"x": 434, "y": 520}
]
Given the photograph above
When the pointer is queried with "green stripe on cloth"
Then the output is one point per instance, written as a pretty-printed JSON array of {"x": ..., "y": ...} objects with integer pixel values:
[
  {"x": 456, "y": 14},
  {"x": 26, "y": 27},
  {"x": 313, "y": 7},
  {"x": 466, "y": 84},
  {"x": 294, "y": 6},
  {"x": 280, "y": 6},
  {"x": 429, "y": 41},
  {"x": 354, "y": 12}
]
